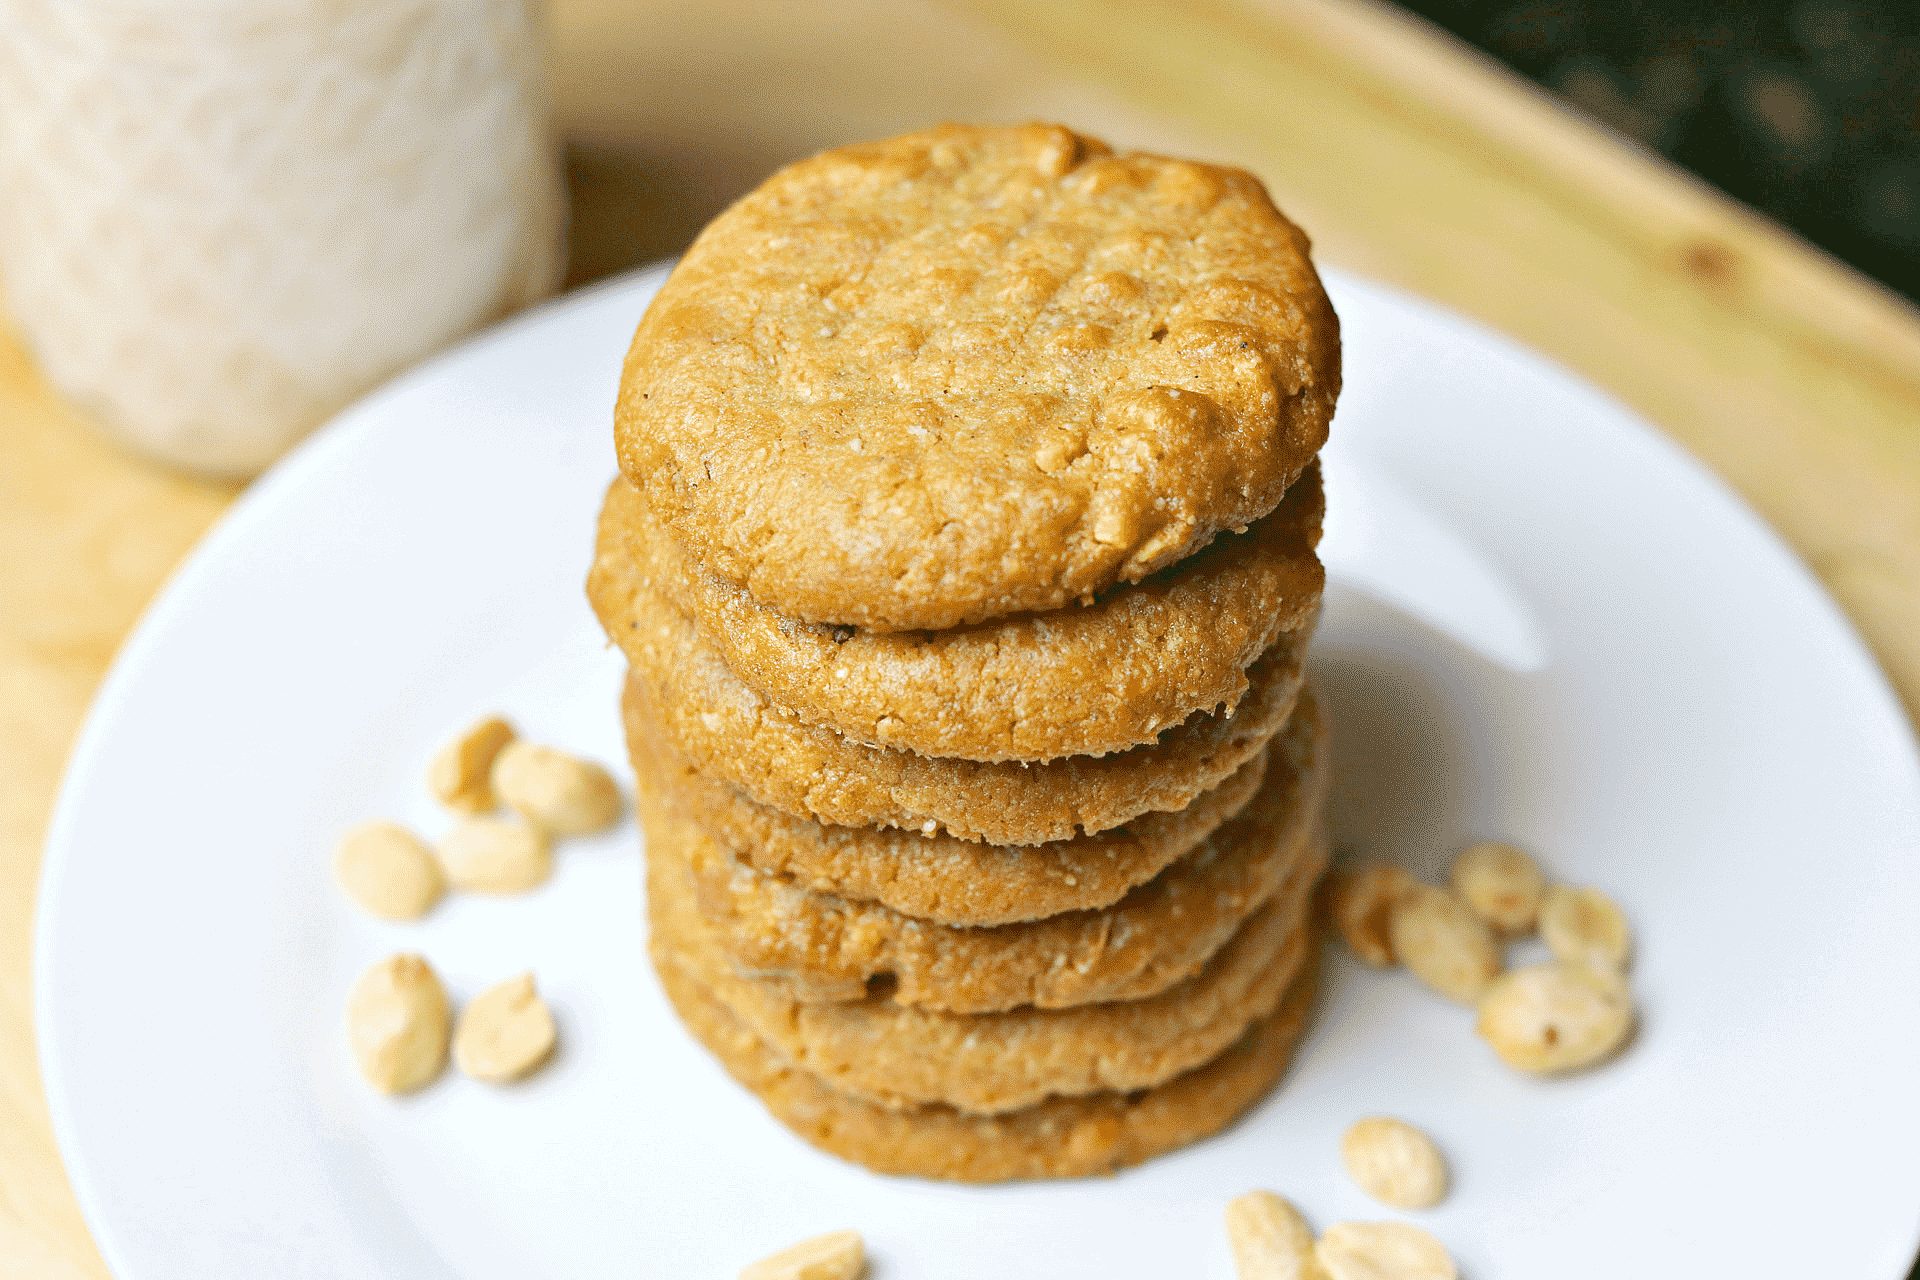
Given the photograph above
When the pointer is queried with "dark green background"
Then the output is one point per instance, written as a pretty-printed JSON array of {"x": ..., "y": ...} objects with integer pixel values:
[{"x": 1809, "y": 110}]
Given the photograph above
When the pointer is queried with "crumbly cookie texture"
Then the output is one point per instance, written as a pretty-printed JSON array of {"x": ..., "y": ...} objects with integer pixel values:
[
  {"x": 987, "y": 1063},
  {"x": 721, "y": 726},
  {"x": 815, "y": 947},
  {"x": 1075, "y": 681},
  {"x": 938, "y": 877},
  {"x": 997, "y": 368},
  {"x": 1062, "y": 1137}
]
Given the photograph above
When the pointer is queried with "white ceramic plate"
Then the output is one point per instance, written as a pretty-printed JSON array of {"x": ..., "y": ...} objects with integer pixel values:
[{"x": 1546, "y": 624}]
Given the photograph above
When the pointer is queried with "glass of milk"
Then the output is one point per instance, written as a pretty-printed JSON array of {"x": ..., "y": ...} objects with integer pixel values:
[{"x": 220, "y": 220}]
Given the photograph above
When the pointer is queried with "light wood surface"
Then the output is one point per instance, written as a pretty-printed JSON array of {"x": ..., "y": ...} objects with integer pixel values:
[{"x": 1407, "y": 156}]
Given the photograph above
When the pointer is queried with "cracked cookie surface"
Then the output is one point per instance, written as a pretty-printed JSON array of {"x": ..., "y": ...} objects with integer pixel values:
[{"x": 997, "y": 370}]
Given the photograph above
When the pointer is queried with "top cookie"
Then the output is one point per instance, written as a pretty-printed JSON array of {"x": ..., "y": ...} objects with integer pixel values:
[{"x": 969, "y": 372}]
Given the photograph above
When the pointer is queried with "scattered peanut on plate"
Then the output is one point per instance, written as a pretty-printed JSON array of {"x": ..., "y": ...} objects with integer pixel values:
[
  {"x": 838, "y": 1255},
  {"x": 388, "y": 870},
  {"x": 397, "y": 1017},
  {"x": 1501, "y": 883},
  {"x": 1272, "y": 1241},
  {"x": 1550, "y": 1018},
  {"x": 1382, "y": 1251},
  {"x": 1394, "y": 1163},
  {"x": 460, "y": 775},
  {"x": 496, "y": 855},
  {"x": 1443, "y": 943},
  {"x": 1361, "y": 902},
  {"x": 1269, "y": 1238},
  {"x": 1585, "y": 927},
  {"x": 506, "y": 1032},
  {"x": 1542, "y": 1019},
  {"x": 560, "y": 793}
]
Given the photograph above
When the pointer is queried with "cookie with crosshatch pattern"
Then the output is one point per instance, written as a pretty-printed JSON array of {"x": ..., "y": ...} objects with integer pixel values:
[{"x": 973, "y": 371}]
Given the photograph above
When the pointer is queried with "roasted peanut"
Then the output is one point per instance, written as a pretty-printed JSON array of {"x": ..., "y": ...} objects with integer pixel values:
[
  {"x": 1443, "y": 943},
  {"x": 555, "y": 791},
  {"x": 506, "y": 1032},
  {"x": 1501, "y": 883},
  {"x": 1554, "y": 1017},
  {"x": 496, "y": 855},
  {"x": 388, "y": 870},
  {"x": 397, "y": 1023},
  {"x": 838, "y": 1255},
  {"x": 1270, "y": 1240},
  {"x": 1383, "y": 1251},
  {"x": 1360, "y": 902},
  {"x": 1394, "y": 1163},
  {"x": 1584, "y": 926},
  {"x": 459, "y": 774}
]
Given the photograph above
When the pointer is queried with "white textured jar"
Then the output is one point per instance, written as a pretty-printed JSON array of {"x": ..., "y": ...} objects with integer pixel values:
[{"x": 220, "y": 220}]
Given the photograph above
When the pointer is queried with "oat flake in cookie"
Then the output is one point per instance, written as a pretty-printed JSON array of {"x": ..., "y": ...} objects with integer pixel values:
[{"x": 970, "y": 371}]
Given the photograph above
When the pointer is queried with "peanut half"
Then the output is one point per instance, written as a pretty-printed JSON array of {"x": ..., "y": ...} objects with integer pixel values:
[
  {"x": 1501, "y": 883},
  {"x": 1584, "y": 926},
  {"x": 1360, "y": 902},
  {"x": 1270, "y": 1240},
  {"x": 459, "y": 774},
  {"x": 1445, "y": 945},
  {"x": 1383, "y": 1251},
  {"x": 1394, "y": 1163},
  {"x": 1554, "y": 1017},
  {"x": 838, "y": 1255},
  {"x": 496, "y": 855},
  {"x": 555, "y": 791},
  {"x": 506, "y": 1032},
  {"x": 397, "y": 1018},
  {"x": 388, "y": 870}
]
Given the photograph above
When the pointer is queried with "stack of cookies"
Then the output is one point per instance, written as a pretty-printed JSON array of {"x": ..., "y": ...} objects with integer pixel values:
[{"x": 963, "y": 556}]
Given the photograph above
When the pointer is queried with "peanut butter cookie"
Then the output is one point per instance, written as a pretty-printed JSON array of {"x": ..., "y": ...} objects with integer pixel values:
[
  {"x": 993, "y": 369},
  {"x": 938, "y": 877},
  {"x": 986, "y": 1063},
  {"x": 817, "y": 947},
  {"x": 1058, "y": 1138},
  {"x": 1075, "y": 681},
  {"x": 724, "y": 728}
]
